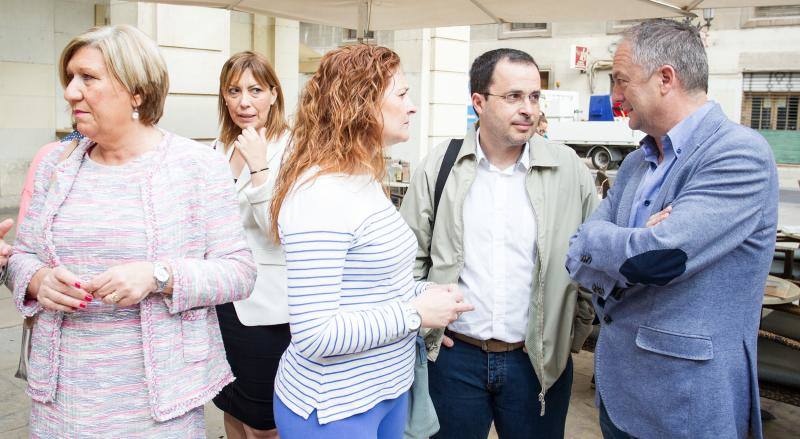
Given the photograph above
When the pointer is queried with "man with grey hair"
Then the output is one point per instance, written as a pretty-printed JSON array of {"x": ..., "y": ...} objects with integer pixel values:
[{"x": 676, "y": 256}]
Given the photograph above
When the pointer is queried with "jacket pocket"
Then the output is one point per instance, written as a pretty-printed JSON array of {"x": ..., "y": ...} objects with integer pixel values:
[
  {"x": 674, "y": 344},
  {"x": 194, "y": 327}
]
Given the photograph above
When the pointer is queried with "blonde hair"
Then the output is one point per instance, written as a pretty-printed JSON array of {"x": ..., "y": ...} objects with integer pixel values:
[
  {"x": 338, "y": 125},
  {"x": 132, "y": 58},
  {"x": 265, "y": 75}
]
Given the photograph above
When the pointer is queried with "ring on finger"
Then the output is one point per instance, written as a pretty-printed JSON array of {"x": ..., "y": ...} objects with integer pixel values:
[{"x": 114, "y": 297}]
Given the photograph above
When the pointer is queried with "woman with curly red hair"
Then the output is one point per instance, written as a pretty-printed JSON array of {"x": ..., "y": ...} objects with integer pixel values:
[{"x": 354, "y": 307}]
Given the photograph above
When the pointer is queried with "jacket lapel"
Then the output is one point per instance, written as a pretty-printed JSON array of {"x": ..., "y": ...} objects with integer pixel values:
[
  {"x": 244, "y": 178},
  {"x": 541, "y": 153},
  {"x": 60, "y": 184},
  {"x": 629, "y": 192}
]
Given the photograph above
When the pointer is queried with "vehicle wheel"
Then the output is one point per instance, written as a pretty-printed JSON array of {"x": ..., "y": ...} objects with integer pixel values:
[{"x": 601, "y": 158}]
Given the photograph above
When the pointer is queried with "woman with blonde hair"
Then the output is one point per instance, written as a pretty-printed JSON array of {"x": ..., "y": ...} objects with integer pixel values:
[
  {"x": 255, "y": 331},
  {"x": 130, "y": 240},
  {"x": 354, "y": 307}
]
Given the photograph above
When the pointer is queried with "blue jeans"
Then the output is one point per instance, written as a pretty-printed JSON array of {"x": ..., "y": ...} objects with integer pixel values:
[
  {"x": 471, "y": 388},
  {"x": 610, "y": 431},
  {"x": 384, "y": 421}
]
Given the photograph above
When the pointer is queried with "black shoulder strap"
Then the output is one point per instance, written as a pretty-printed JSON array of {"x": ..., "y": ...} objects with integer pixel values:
[{"x": 444, "y": 171}]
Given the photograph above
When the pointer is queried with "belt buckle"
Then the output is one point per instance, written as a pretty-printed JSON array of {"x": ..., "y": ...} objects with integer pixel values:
[{"x": 485, "y": 345}]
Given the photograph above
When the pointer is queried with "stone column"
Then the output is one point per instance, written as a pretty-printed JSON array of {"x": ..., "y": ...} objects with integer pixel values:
[
  {"x": 194, "y": 42},
  {"x": 436, "y": 62}
]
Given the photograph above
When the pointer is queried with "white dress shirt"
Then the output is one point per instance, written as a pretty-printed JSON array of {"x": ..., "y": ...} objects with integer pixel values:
[{"x": 499, "y": 251}]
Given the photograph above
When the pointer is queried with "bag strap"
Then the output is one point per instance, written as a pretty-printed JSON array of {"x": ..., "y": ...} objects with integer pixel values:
[
  {"x": 444, "y": 171},
  {"x": 71, "y": 147}
]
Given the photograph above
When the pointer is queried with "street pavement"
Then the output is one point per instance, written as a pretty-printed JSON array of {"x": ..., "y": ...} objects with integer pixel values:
[{"x": 581, "y": 420}]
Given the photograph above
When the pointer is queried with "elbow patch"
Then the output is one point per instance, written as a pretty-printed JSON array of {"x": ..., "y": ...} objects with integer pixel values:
[{"x": 656, "y": 267}]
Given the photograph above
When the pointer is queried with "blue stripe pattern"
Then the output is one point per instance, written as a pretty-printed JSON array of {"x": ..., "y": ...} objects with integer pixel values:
[{"x": 349, "y": 257}]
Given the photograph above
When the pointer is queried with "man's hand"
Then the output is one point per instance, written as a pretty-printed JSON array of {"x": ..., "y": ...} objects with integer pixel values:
[
  {"x": 658, "y": 217},
  {"x": 5, "y": 249}
]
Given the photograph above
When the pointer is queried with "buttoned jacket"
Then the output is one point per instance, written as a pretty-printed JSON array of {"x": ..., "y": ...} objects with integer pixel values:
[
  {"x": 562, "y": 194},
  {"x": 676, "y": 354},
  {"x": 192, "y": 224}
]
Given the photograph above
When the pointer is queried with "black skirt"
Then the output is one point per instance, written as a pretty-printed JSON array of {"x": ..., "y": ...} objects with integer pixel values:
[{"x": 254, "y": 353}]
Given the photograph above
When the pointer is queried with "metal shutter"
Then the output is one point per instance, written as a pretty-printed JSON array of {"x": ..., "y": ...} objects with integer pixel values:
[{"x": 775, "y": 82}]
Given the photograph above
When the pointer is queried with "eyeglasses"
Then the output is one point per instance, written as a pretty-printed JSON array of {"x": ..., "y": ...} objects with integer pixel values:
[{"x": 516, "y": 98}]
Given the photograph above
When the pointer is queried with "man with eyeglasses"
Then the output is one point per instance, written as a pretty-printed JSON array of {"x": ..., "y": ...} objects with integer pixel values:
[{"x": 501, "y": 231}]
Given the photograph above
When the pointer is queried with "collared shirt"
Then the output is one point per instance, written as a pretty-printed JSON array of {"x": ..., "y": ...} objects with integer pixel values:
[
  {"x": 657, "y": 173},
  {"x": 499, "y": 251},
  {"x": 74, "y": 135}
]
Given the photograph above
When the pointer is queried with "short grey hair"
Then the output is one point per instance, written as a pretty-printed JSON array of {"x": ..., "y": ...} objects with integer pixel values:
[{"x": 659, "y": 42}]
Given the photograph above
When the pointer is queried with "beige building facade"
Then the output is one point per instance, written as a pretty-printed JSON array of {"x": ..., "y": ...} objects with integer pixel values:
[
  {"x": 754, "y": 56},
  {"x": 753, "y": 53},
  {"x": 195, "y": 42}
]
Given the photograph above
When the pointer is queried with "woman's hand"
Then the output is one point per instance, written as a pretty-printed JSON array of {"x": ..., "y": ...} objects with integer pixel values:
[
  {"x": 252, "y": 146},
  {"x": 123, "y": 285},
  {"x": 440, "y": 305},
  {"x": 59, "y": 290}
]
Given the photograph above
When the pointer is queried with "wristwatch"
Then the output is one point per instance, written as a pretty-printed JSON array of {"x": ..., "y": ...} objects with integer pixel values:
[
  {"x": 411, "y": 317},
  {"x": 161, "y": 275}
]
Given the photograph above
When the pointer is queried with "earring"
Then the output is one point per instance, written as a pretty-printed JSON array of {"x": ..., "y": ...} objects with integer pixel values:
[{"x": 135, "y": 114}]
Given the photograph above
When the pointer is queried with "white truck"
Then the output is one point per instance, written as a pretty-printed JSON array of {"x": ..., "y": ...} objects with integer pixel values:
[{"x": 605, "y": 143}]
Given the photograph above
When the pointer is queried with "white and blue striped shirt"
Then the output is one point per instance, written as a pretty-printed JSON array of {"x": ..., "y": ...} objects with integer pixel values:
[{"x": 349, "y": 260}]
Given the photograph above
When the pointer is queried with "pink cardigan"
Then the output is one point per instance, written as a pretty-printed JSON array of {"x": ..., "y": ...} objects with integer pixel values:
[
  {"x": 27, "y": 189},
  {"x": 193, "y": 224}
]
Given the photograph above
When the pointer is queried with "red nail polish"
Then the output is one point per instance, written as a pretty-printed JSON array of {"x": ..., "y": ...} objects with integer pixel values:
[
  {"x": 88, "y": 298},
  {"x": 82, "y": 305},
  {"x": 77, "y": 284}
]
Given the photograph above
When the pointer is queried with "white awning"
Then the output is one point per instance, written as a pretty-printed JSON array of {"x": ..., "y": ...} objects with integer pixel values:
[{"x": 410, "y": 14}]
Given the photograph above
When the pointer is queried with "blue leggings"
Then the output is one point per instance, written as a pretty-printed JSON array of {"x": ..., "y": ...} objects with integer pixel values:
[{"x": 386, "y": 420}]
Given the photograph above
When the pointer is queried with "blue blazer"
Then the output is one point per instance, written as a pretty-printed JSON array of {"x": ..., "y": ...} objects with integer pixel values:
[{"x": 676, "y": 355}]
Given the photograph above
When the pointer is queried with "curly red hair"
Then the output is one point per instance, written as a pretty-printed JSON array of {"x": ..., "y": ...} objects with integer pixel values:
[{"x": 338, "y": 124}]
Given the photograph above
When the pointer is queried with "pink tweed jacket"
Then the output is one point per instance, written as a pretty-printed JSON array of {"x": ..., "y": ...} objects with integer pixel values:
[{"x": 193, "y": 224}]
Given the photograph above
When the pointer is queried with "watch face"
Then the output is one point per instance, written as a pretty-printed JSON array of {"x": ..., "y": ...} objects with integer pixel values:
[
  {"x": 161, "y": 274},
  {"x": 414, "y": 321}
]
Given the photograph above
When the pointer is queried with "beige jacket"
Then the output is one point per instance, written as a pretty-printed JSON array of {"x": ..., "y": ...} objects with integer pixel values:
[{"x": 562, "y": 192}]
